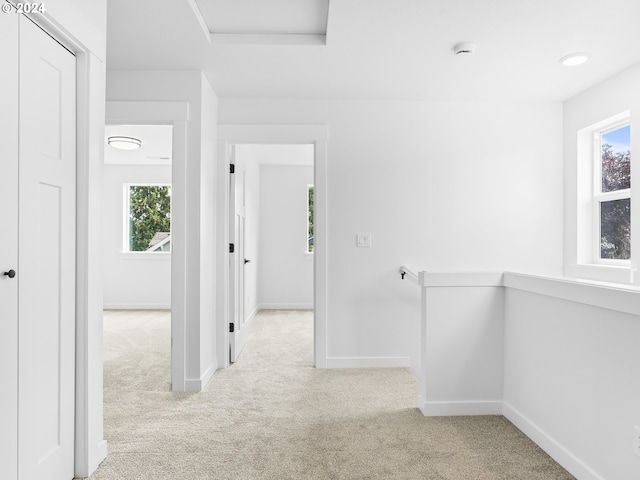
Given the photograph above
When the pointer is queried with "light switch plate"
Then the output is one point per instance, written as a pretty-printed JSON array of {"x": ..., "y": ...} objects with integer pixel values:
[{"x": 363, "y": 240}]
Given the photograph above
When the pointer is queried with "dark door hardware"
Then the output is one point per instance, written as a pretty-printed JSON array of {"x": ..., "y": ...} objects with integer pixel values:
[
  {"x": 10, "y": 273},
  {"x": 246, "y": 261}
]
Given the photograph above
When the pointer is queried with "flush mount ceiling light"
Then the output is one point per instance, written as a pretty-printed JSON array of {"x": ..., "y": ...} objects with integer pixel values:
[
  {"x": 464, "y": 49},
  {"x": 124, "y": 143},
  {"x": 574, "y": 59}
]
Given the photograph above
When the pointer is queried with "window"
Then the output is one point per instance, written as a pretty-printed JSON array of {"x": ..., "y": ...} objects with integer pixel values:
[
  {"x": 612, "y": 194},
  {"x": 309, "y": 218},
  {"x": 598, "y": 241},
  {"x": 147, "y": 218}
]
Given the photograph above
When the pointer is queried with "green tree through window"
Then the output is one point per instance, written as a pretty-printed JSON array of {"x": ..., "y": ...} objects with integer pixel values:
[
  {"x": 615, "y": 199},
  {"x": 149, "y": 213}
]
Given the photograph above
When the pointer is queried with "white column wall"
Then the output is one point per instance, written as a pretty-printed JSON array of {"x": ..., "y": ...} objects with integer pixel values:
[
  {"x": 463, "y": 369},
  {"x": 196, "y": 189},
  {"x": 208, "y": 232}
]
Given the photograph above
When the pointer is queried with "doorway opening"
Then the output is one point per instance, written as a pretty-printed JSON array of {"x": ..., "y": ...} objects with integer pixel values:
[
  {"x": 137, "y": 239},
  {"x": 271, "y": 228},
  {"x": 229, "y": 137}
]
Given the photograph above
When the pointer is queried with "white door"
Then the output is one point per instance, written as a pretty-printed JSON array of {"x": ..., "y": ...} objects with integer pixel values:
[
  {"x": 8, "y": 245},
  {"x": 46, "y": 258},
  {"x": 237, "y": 263}
]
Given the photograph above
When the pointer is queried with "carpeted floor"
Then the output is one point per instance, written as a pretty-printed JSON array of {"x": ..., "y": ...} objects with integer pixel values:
[{"x": 273, "y": 416}]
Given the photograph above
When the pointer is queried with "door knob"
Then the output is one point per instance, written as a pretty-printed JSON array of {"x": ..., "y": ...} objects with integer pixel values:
[
  {"x": 10, "y": 273},
  {"x": 246, "y": 261}
]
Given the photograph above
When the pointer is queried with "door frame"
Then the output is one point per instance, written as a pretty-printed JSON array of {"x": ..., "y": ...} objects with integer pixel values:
[
  {"x": 67, "y": 24},
  {"x": 318, "y": 136},
  {"x": 237, "y": 299},
  {"x": 177, "y": 115}
]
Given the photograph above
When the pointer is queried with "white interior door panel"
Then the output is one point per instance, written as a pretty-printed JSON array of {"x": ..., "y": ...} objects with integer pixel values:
[{"x": 46, "y": 258}]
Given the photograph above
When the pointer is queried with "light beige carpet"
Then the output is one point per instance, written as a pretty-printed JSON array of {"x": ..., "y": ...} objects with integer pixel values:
[{"x": 273, "y": 416}]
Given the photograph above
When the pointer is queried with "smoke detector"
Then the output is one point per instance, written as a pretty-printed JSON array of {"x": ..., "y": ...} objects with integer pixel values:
[{"x": 464, "y": 49}]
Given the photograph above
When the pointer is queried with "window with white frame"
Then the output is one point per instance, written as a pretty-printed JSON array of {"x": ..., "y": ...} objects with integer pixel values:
[
  {"x": 309, "y": 218},
  {"x": 147, "y": 218},
  {"x": 612, "y": 194}
]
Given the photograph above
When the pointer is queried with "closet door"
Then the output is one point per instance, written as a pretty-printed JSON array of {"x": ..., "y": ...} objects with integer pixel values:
[
  {"x": 46, "y": 258},
  {"x": 8, "y": 245}
]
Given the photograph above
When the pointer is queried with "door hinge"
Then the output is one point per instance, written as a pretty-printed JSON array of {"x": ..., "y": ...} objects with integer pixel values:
[
  {"x": 232, "y": 248},
  {"x": 232, "y": 328},
  {"x": 232, "y": 168}
]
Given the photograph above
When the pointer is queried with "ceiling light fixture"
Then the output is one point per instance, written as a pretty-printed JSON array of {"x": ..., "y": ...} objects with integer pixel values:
[
  {"x": 574, "y": 59},
  {"x": 124, "y": 143}
]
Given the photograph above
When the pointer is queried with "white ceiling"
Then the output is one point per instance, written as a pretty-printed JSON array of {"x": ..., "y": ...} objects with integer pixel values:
[
  {"x": 392, "y": 49},
  {"x": 288, "y": 17}
]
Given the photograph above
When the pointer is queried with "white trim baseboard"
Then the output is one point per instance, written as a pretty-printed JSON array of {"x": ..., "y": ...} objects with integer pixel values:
[
  {"x": 198, "y": 384},
  {"x": 446, "y": 409},
  {"x": 285, "y": 306},
  {"x": 252, "y": 315},
  {"x": 136, "y": 306},
  {"x": 368, "y": 362},
  {"x": 555, "y": 449}
]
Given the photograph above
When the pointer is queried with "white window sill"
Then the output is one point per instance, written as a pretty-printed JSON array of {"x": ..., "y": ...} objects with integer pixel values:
[
  {"x": 611, "y": 296},
  {"x": 622, "y": 274}
]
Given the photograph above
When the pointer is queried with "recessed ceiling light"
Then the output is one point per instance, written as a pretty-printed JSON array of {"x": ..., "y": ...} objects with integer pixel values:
[
  {"x": 124, "y": 143},
  {"x": 574, "y": 59}
]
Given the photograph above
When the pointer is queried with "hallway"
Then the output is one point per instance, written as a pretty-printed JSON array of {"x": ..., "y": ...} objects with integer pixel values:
[{"x": 273, "y": 416}]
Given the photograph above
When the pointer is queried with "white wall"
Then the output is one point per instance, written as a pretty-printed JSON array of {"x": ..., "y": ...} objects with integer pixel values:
[
  {"x": 285, "y": 269},
  {"x": 570, "y": 381},
  {"x": 208, "y": 232},
  {"x": 82, "y": 21},
  {"x": 442, "y": 186},
  {"x": 131, "y": 280},
  {"x": 193, "y": 221},
  {"x": 463, "y": 362}
]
